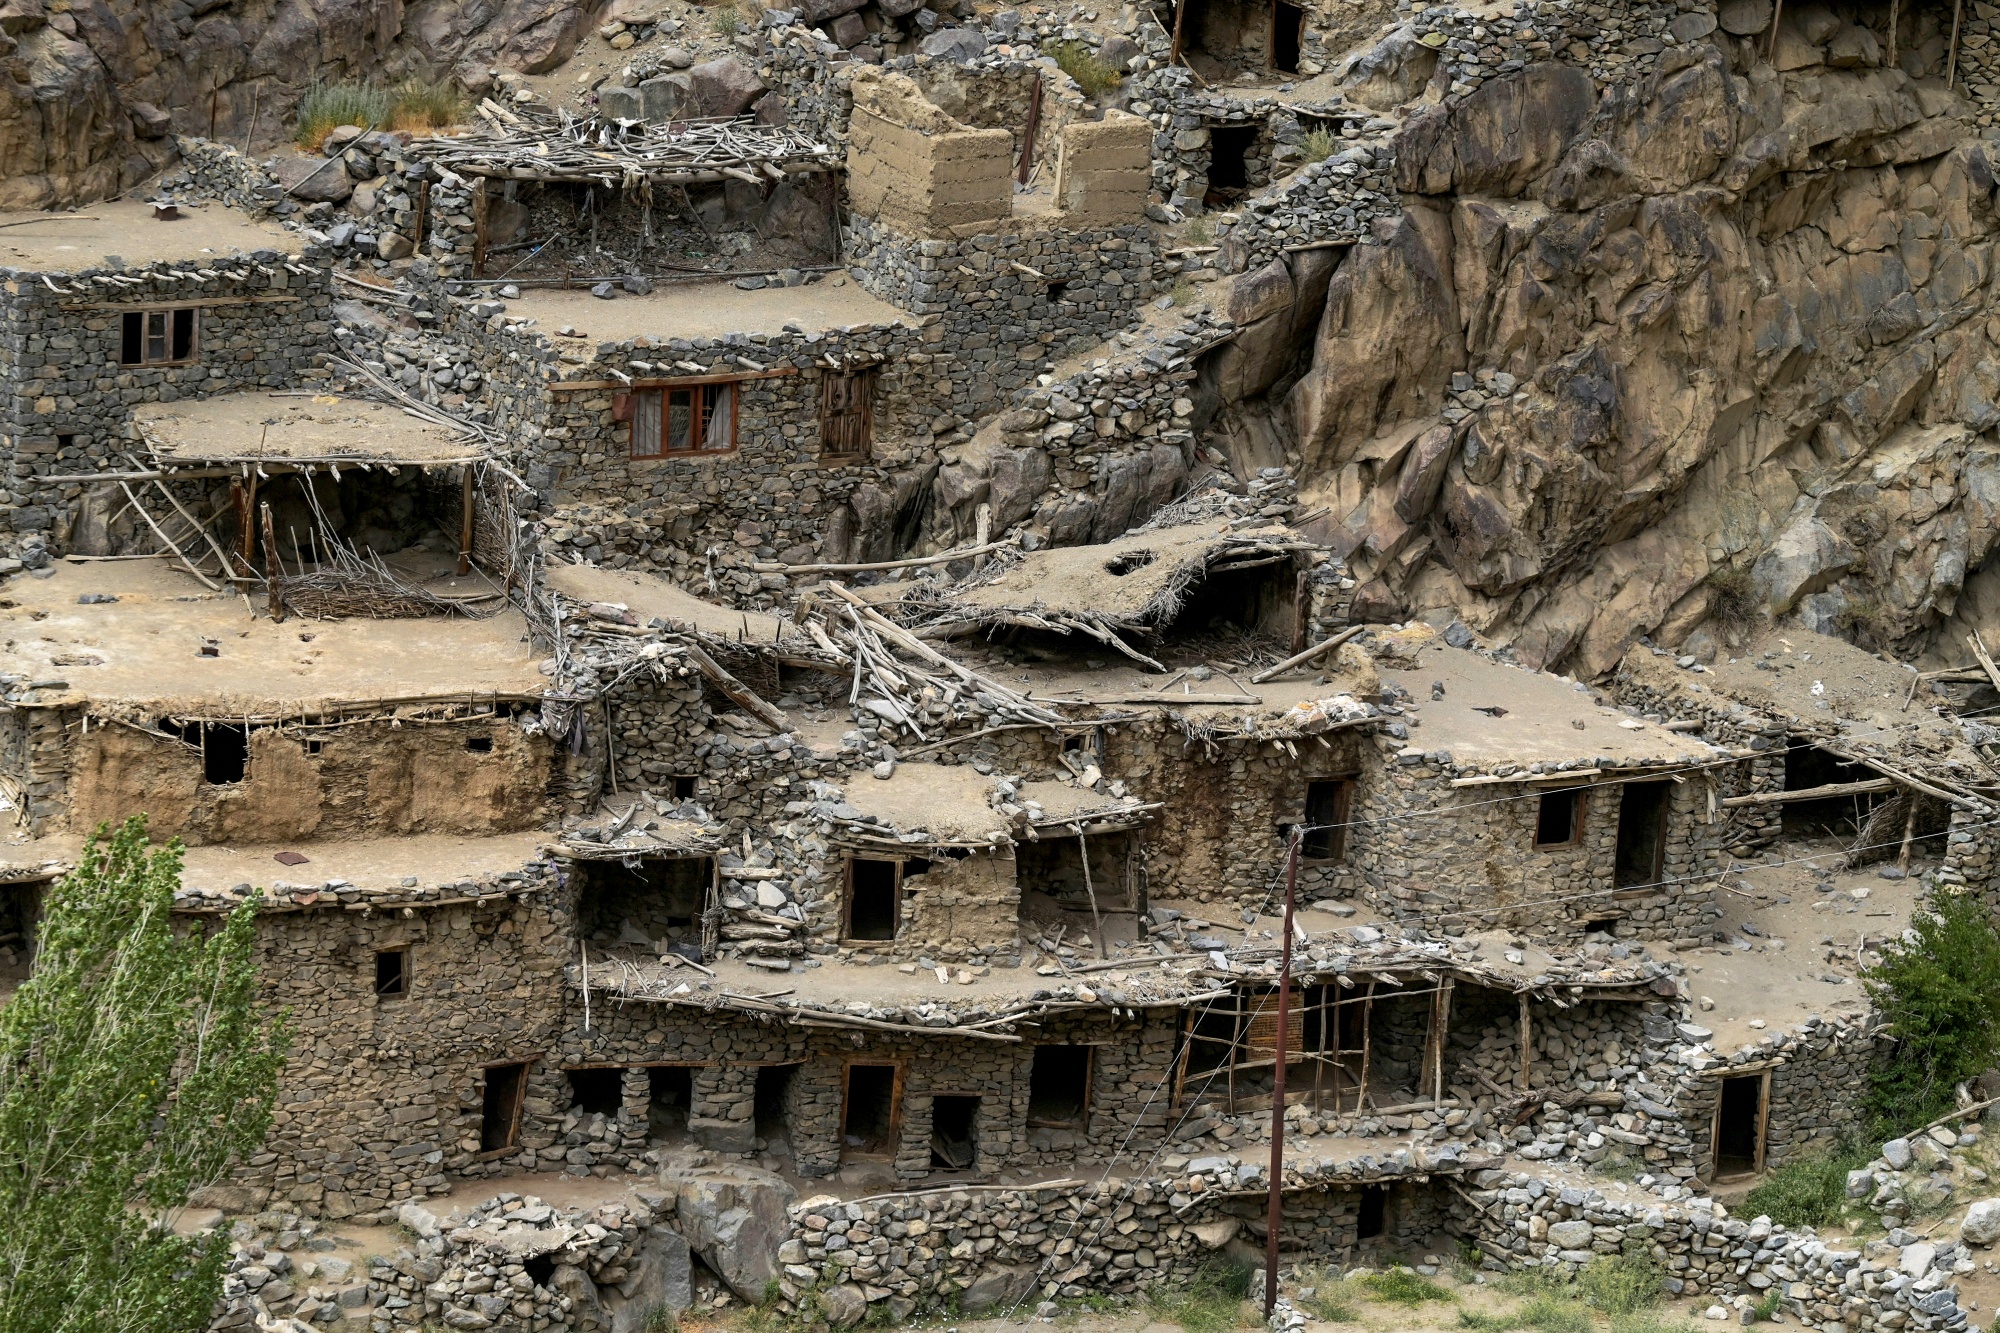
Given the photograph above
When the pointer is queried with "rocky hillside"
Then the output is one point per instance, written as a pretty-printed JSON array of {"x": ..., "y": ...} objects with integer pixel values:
[
  {"x": 90, "y": 89},
  {"x": 1718, "y": 342}
]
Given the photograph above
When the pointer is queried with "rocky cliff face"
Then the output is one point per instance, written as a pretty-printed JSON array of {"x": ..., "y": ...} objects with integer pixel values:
[
  {"x": 1628, "y": 362},
  {"x": 90, "y": 89}
]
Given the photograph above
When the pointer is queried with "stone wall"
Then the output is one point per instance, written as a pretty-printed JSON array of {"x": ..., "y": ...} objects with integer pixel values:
[
  {"x": 264, "y": 322},
  {"x": 211, "y": 170}
]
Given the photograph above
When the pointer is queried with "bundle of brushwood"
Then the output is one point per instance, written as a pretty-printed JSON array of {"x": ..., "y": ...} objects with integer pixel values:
[{"x": 536, "y": 144}]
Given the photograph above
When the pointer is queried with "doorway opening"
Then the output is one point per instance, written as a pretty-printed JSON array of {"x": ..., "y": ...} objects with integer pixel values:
[
  {"x": 1228, "y": 161},
  {"x": 874, "y": 896},
  {"x": 954, "y": 1146},
  {"x": 500, "y": 1107},
  {"x": 1059, "y": 1087},
  {"x": 771, "y": 1100},
  {"x": 1288, "y": 24},
  {"x": 657, "y": 905},
  {"x": 1739, "y": 1126},
  {"x": 1325, "y": 837},
  {"x": 1373, "y": 1215},
  {"x": 868, "y": 1111},
  {"x": 1806, "y": 767},
  {"x": 669, "y": 1102},
  {"x": 1642, "y": 834},
  {"x": 224, "y": 746}
]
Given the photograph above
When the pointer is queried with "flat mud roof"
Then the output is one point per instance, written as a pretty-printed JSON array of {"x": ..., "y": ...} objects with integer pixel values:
[
  {"x": 295, "y": 427},
  {"x": 124, "y": 234},
  {"x": 704, "y": 310},
  {"x": 145, "y": 647}
]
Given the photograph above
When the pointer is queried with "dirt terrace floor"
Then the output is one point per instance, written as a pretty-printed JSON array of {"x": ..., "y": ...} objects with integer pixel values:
[
  {"x": 706, "y": 310},
  {"x": 89, "y": 237}
]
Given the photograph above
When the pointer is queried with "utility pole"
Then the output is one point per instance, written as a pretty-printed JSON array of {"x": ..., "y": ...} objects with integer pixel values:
[{"x": 1273, "y": 1216}]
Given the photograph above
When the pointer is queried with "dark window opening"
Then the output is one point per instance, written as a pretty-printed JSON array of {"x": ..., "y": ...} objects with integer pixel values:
[
  {"x": 1287, "y": 31},
  {"x": 1228, "y": 160},
  {"x": 847, "y": 414},
  {"x": 597, "y": 1091},
  {"x": 392, "y": 973},
  {"x": 1325, "y": 836},
  {"x": 1057, "y": 291},
  {"x": 1052, "y": 865},
  {"x": 225, "y": 752},
  {"x": 872, "y": 893},
  {"x": 1262, "y": 599},
  {"x": 772, "y": 1102},
  {"x": 1642, "y": 829},
  {"x": 683, "y": 787},
  {"x": 1558, "y": 818},
  {"x": 20, "y": 914},
  {"x": 953, "y": 1143},
  {"x": 156, "y": 337},
  {"x": 868, "y": 1115},
  {"x": 500, "y": 1107},
  {"x": 1602, "y": 925},
  {"x": 1739, "y": 1126},
  {"x": 314, "y": 747},
  {"x": 541, "y": 1269},
  {"x": 1373, "y": 1214},
  {"x": 659, "y": 903},
  {"x": 1210, "y": 1043},
  {"x": 1059, "y": 1086},
  {"x": 479, "y": 744},
  {"x": 1807, "y": 766},
  {"x": 669, "y": 1100},
  {"x": 65, "y": 441}
]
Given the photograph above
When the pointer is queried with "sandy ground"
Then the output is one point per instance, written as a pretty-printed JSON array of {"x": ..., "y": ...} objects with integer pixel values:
[
  {"x": 144, "y": 648},
  {"x": 649, "y": 595},
  {"x": 283, "y": 426},
  {"x": 71, "y": 242},
  {"x": 1853, "y": 684},
  {"x": 705, "y": 310},
  {"x": 380, "y": 863}
]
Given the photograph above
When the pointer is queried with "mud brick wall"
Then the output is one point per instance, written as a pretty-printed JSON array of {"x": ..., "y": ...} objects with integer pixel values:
[
  {"x": 380, "y": 1101},
  {"x": 361, "y": 780},
  {"x": 66, "y": 402},
  {"x": 917, "y": 169}
]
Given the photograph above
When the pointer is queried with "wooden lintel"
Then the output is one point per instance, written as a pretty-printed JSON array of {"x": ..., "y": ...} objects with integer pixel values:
[{"x": 719, "y": 377}]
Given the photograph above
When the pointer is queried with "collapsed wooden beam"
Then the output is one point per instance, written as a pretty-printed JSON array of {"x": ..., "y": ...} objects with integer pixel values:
[{"x": 1808, "y": 793}]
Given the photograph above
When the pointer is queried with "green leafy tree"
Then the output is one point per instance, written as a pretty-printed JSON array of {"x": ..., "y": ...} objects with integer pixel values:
[
  {"x": 135, "y": 1067},
  {"x": 1940, "y": 994}
]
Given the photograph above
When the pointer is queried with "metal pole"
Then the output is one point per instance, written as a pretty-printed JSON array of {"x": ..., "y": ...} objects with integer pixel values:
[{"x": 1273, "y": 1216}]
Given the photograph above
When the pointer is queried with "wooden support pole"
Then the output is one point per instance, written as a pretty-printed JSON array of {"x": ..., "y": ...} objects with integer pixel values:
[
  {"x": 273, "y": 571},
  {"x": 1527, "y": 1047},
  {"x": 1028, "y": 133},
  {"x": 1909, "y": 833},
  {"x": 465, "y": 520},
  {"x": 1325, "y": 645},
  {"x": 1951, "y": 57},
  {"x": 1274, "y": 1207},
  {"x": 246, "y": 533},
  {"x": 1367, "y": 1047},
  {"x": 479, "y": 228},
  {"x": 1441, "y": 1025},
  {"x": 1777, "y": 17},
  {"x": 1096, "y": 917}
]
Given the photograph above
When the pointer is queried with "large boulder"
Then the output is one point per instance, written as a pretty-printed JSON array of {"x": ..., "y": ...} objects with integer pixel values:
[
  {"x": 314, "y": 179},
  {"x": 736, "y": 1221},
  {"x": 724, "y": 87},
  {"x": 953, "y": 44},
  {"x": 998, "y": 1288},
  {"x": 670, "y": 97},
  {"x": 659, "y": 1278},
  {"x": 1807, "y": 557},
  {"x": 1500, "y": 139},
  {"x": 1982, "y": 1223}
]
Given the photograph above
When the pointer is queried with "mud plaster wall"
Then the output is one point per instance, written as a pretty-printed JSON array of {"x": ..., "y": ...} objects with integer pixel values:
[
  {"x": 1103, "y": 169},
  {"x": 369, "y": 780},
  {"x": 381, "y": 1097},
  {"x": 66, "y": 402},
  {"x": 961, "y": 903},
  {"x": 918, "y": 169}
]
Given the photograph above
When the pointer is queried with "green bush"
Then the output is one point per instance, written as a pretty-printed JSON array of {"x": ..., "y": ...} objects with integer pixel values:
[
  {"x": 1082, "y": 64},
  {"x": 725, "y": 22},
  {"x": 1319, "y": 145},
  {"x": 423, "y": 104},
  {"x": 1810, "y": 1193},
  {"x": 1940, "y": 996},
  {"x": 328, "y": 106},
  {"x": 1209, "y": 1302},
  {"x": 1403, "y": 1286},
  {"x": 1620, "y": 1284}
]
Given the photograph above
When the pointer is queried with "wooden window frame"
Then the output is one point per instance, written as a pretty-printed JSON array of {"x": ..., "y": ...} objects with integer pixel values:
[
  {"x": 1082, "y": 1122},
  {"x": 1578, "y": 807},
  {"x": 834, "y": 385},
  {"x": 1763, "y": 1121},
  {"x": 895, "y": 898},
  {"x": 168, "y": 313},
  {"x": 527, "y": 1067},
  {"x": 896, "y": 1088},
  {"x": 632, "y": 408},
  {"x": 402, "y": 994},
  {"x": 1343, "y": 803}
]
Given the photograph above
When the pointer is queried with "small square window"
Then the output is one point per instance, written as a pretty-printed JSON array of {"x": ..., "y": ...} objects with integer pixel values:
[
  {"x": 479, "y": 744},
  {"x": 392, "y": 973},
  {"x": 314, "y": 747},
  {"x": 683, "y": 786},
  {"x": 157, "y": 337},
  {"x": 1558, "y": 818}
]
